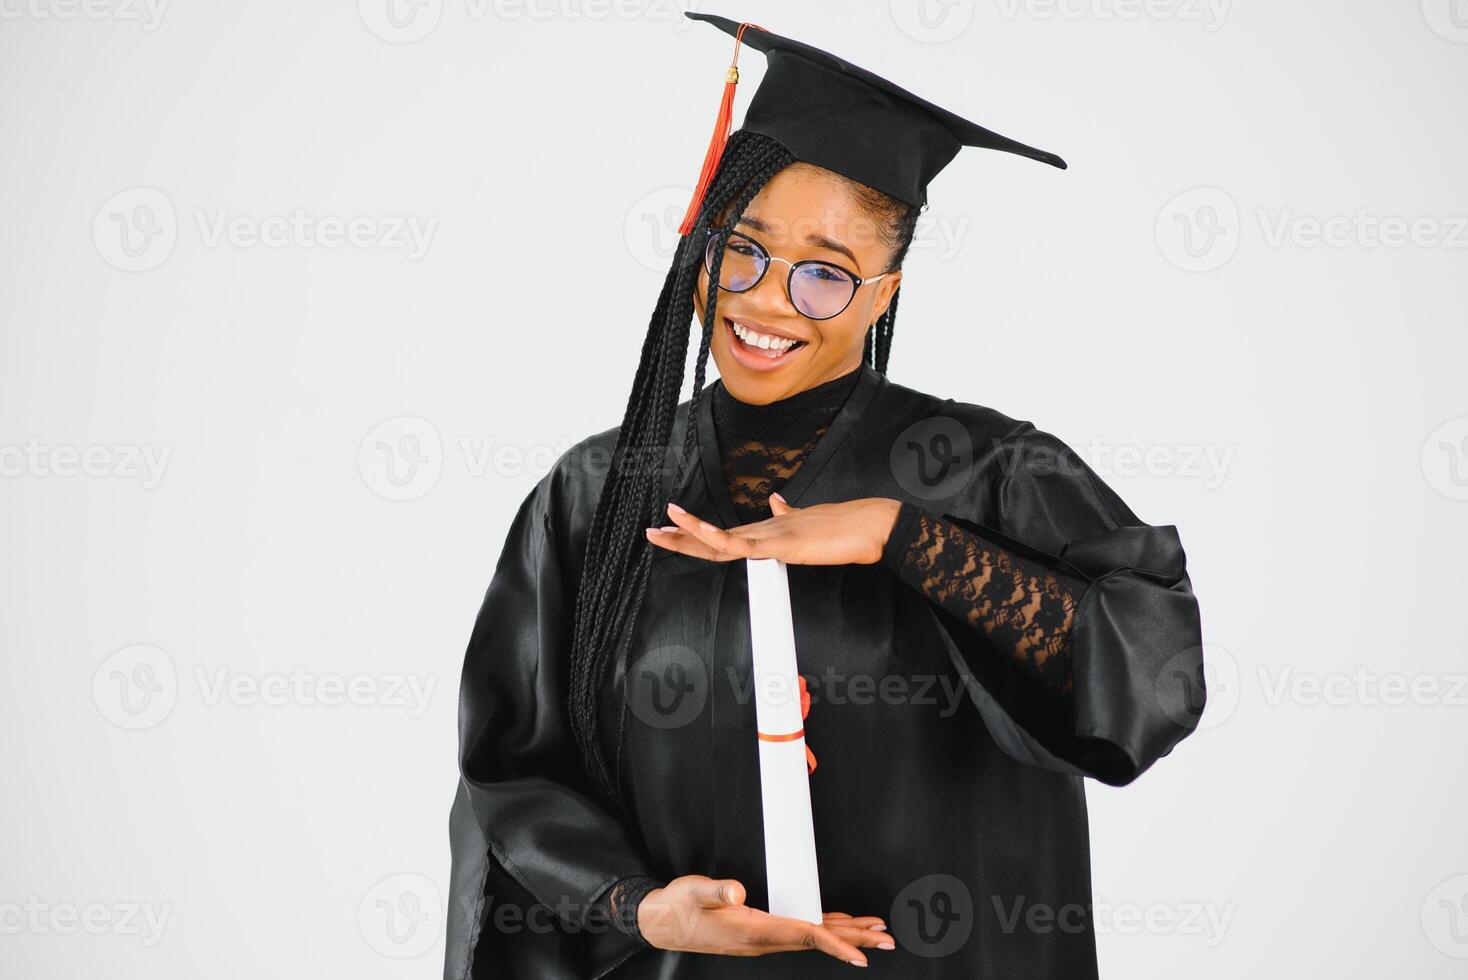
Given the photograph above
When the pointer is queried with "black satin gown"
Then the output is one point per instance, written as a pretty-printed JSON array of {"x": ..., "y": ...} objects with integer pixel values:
[{"x": 973, "y": 839}]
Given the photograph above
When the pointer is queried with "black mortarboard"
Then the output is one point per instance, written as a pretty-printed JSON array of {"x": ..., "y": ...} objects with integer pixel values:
[{"x": 836, "y": 115}]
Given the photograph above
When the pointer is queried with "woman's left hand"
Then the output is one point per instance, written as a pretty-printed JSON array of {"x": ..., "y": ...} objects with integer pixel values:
[{"x": 852, "y": 532}]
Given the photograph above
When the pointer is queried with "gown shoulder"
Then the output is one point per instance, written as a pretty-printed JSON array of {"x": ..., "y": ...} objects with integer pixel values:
[{"x": 1137, "y": 644}]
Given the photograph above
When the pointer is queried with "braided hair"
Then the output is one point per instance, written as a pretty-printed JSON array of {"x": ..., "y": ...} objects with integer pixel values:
[{"x": 618, "y": 555}]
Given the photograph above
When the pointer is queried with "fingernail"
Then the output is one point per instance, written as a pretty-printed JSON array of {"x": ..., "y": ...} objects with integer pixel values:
[
  {"x": 878, "y": 927},
  {"x": 777, "y": 496},
  {"x": 670, "y": 527},
  {"x": 886, "y": 946},
  {"x": 857, "y": 962},
  {"x": 728, "y": 895},
  {"x": 675, "y": 508}
]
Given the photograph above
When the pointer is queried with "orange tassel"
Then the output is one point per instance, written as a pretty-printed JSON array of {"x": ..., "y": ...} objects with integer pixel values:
[{"x": 722, "y": 124}]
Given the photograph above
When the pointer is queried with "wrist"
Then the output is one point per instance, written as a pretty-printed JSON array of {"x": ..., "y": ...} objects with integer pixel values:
[
  {"x": 906, "y": 526},
  {"x": 888, "y": 512},
  {"x": 645, "y": 916}
]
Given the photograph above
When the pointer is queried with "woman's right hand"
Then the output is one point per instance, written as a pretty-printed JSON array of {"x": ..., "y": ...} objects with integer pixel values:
[{"x": 707, "y": 915}]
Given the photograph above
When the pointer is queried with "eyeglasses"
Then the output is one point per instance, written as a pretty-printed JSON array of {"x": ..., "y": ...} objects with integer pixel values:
[{"x": 819, "y": 290}]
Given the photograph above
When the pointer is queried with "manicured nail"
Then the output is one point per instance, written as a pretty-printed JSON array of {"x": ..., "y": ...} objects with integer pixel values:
[
  {"x": 857, "y": 962},
  {"x": 675, "y": 508},
  {"x": 878, "y": 927},
  {"x": 670, "y": 527},
  {"x": 777, "y": 496},
  {"x": 886, "y": 946}
]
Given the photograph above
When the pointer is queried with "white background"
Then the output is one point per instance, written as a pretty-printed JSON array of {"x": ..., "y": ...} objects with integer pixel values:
[{"x": 1293, "y": 402}]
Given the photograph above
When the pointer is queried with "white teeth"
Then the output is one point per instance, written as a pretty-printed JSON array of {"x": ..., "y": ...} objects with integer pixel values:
[{"x": 762, "y": 340}]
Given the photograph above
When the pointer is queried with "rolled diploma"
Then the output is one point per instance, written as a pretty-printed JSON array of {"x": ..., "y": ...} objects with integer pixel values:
[{"x": 790, "y": 838}]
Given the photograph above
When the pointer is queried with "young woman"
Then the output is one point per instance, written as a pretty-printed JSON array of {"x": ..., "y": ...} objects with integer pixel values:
[{"x": 980, "y": 622}]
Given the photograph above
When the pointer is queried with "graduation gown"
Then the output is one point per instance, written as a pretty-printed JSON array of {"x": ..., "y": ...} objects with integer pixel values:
[{"x": 948, "y": 796}]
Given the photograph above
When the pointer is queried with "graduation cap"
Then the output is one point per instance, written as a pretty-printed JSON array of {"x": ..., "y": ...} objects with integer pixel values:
[{"x": 839, "y": 116}]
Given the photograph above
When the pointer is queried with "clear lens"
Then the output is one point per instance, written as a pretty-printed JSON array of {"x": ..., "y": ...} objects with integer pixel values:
[
  {"x": 744, "y": 261},
  {"x": 820, "y": 291}
]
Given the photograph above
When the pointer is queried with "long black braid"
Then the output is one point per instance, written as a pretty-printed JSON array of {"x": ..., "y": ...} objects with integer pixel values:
[
  {"x": 898, "y": 223},
  {"x": 618, "y": 555}
]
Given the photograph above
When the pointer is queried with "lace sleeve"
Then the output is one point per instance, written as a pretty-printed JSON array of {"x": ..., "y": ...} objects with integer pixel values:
[
  {"x": 621, "y": 900},
  {"x": 1023, "y": 606}
]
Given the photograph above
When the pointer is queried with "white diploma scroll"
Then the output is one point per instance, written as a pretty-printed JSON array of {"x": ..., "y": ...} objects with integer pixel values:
[{"x": 790, "y": 839}]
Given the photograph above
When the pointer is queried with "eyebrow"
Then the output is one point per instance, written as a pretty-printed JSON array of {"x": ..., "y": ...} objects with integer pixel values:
[{"x": 820, "y": 241}]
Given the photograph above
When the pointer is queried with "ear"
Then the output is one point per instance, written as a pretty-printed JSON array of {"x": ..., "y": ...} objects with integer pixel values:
[{"x": 886, "y": 289}]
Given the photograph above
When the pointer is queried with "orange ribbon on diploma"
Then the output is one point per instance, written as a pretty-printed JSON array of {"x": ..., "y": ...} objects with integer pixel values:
[{"x": 810, "y": 757}]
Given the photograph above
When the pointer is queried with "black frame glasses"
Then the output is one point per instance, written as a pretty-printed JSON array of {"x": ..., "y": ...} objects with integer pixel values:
[{"x": 764, "y": 259}]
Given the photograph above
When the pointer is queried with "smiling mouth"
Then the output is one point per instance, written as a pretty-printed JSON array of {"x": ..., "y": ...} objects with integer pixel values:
[{"x": 756, "y": 344}]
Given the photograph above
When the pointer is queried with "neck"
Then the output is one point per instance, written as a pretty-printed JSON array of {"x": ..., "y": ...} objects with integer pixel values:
[
  {"x": 789, "y": 418},
  {"x": 837, "y": 382}
]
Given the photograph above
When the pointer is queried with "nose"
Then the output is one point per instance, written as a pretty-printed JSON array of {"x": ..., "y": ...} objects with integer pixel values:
[{"x": 772, "y": 292}]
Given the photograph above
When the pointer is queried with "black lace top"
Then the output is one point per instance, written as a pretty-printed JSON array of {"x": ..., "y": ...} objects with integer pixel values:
[
  {"x": 763, "y": 445},
  {"x": 1022, "y": 606}
]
